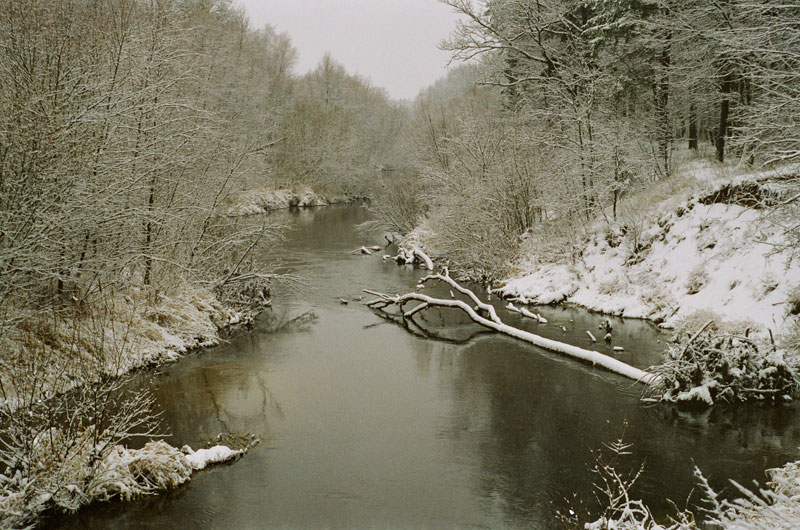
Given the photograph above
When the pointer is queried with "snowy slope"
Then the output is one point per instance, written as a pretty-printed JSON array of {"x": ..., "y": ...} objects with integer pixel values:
[{"x": 696, "y": 257}]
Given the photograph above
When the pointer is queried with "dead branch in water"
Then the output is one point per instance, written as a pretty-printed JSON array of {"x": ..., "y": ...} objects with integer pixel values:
[{"x": 485, "y": 315}]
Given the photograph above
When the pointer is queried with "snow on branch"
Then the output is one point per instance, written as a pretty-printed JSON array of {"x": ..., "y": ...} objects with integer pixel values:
[
  {"x": 485, "y": 315},
  {"x": 412, "y": 255}
]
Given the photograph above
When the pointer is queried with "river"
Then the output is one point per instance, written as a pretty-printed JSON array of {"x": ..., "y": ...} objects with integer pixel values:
[{"x": 366, "y": 425}]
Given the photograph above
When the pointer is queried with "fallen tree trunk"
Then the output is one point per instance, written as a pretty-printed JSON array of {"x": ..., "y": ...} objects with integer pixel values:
[{"x": 485, "y": 315}]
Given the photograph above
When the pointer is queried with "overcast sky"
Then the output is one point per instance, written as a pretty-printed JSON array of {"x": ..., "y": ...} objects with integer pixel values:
[{"x": 391, "y": 42}]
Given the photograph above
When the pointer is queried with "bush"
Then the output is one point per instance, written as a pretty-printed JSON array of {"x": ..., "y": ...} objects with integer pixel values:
[
  {"x": 696, "y": 280},
  {"x": 710, "y": 366},
  {"x": 471, "y": 241},
  {"x": 400, "y": 204},
  {"x": 615, "y": 477},
  {"x": 793, "y": 301}
]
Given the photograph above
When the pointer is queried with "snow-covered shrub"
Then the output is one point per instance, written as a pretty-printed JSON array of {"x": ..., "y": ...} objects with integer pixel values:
[
  {"x": 789, "y": 340},
  {"x": 768, "y": 284},
  {"x": 130, "y": 473},
  {"x": 696, "y": 280},
  {"x": 614, "y": 481},
  {"x": 399, "y": 205},
  {"x": 793, "y": 301},
  {"x": 687, "y": 325},
  {"x": 613, "y": 237},
  {"x": 775, "y": 507},
  {"x": 54, "y": 435},
  {"x": 610, "y": 286},
  {"x": 710, "y": 367},
  {"x": 470, "y": 241}
]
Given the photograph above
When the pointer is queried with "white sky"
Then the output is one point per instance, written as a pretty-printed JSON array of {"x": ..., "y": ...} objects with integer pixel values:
[{"x": 393, "y": 43}]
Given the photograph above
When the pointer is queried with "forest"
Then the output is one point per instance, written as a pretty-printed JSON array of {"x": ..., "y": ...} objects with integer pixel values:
[
  {"x": 564, "y": 108},
  {"x": 132, "y": 130}
]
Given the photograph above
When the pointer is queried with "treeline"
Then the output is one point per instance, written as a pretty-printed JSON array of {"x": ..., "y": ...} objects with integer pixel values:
[
  {"x": 125, "y": 128},
  {"x": 124, "y": 124},
  {"x": 566, "y": 106}
]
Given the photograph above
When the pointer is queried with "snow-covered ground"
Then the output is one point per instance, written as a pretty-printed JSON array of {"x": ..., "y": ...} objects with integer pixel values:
[
  {"x": 259, "y": 201},
  {"x": 128, "y": 333},
  {"x": 682, "y": 259}
]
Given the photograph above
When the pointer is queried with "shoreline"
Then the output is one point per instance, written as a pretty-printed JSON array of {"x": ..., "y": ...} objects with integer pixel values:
[
  {"x": 195, "y": 320},
  {"x": 706, "y": 253},
  {"x": 136, "y": 337},
  {"x": 261, "y": 201}
]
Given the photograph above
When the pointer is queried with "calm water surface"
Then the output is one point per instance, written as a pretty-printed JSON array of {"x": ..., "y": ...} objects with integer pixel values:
[{"x": 367, "y": 426}]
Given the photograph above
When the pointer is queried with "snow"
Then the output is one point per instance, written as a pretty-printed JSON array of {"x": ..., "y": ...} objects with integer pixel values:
[
  {"x": 131, "y": 473},
  {"x": 136, "y": 334},
  {"x": 122, "y": 473},
  {"x": 416, "y": 251},
  {"x": 719, "y": 258},
  {"x": 203, "y": 457},
  {"x": 258, "y": 201},
  {"x": 698, "y": 393}
]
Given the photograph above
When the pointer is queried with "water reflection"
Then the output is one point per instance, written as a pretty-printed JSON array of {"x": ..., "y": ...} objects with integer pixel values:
[
  {"x": 532, "y": 425},
  {"x": 366, "y": 425}
]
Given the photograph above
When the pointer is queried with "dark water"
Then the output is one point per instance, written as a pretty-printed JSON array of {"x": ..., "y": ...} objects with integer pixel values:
[{"x": 368, "y": 426}]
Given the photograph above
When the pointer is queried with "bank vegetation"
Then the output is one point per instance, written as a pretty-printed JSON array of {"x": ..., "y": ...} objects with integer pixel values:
[{"x": 127, "y": 128}]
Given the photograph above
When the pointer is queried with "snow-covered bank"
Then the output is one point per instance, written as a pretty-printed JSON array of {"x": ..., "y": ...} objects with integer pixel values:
[
  {"x": 708, "y": 254},
  {"x": 127, "y": 333},
  {"x": 258, "y": 201},
  {"x": 122, "y": 473},
  {"x": 69, "y": 458}
]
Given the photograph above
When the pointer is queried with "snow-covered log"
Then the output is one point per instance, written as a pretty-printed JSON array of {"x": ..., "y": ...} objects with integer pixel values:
[
  {"x": 202, "y": 458},
  {"x": 492, "y": 321},
  {"x": 409, "y": 256},
  {"x": 423, "y": 257}
]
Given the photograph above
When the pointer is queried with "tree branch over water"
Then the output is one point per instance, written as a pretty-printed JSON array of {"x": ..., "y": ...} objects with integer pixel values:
[{"x": 485, "y": 315}]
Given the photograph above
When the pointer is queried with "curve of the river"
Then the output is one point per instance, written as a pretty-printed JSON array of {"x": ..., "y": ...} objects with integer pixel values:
[{"x": 367, "y": 426}]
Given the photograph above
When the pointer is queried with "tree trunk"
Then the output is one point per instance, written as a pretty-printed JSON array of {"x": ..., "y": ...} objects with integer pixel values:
[
  {"x": 662, "y": 107},
  {"x": 148, "y": 230},
  {"x": 692, "y": 127},
  {"x": 723, "y": 128}
]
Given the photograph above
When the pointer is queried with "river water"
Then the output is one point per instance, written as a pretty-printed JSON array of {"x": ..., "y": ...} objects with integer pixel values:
[{"x": 365, "y": 425}]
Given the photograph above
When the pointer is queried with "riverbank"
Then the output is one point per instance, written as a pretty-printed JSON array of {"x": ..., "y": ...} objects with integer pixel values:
[
  {"x": 707, "y": 242},
  {"x": 711, "y": 242},
  {"x": 259, "y": 201},
  {"x": 718, "y": 250},
  {"x": 120, "y": 473},
  {"x": 126, "y": 333},
  {"x": 59, "y": 455}
]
